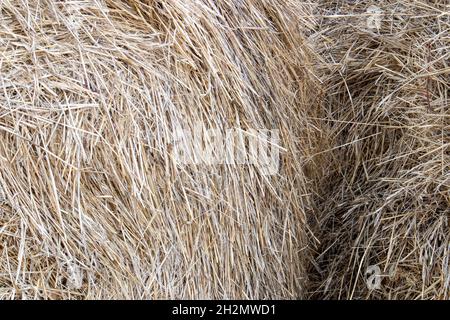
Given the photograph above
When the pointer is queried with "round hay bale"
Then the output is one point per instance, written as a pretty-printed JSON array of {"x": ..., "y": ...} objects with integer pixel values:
[
  {"x": 95, "y": 202},
  {"x": 385, "y": 221}
]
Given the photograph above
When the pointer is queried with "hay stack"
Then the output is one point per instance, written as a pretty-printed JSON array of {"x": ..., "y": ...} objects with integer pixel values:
[
  {"x": 387, "y": 205},
  {"x": 93, "y": 204}
]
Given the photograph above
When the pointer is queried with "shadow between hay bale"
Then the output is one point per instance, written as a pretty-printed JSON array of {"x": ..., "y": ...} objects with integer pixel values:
[{"x": 386, "y": 208}]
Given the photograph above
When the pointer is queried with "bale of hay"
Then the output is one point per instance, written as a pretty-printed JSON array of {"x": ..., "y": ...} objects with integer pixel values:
[
  {"x": 93, "y": 203},
  {"x": 384, "y": 222}
]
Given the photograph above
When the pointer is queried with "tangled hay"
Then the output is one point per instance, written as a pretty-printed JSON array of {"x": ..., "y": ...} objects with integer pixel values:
[
  {"x": 93, "y": 204},
  {"x": 387, "y": 203},
  {"x": 98, "y": 99}
]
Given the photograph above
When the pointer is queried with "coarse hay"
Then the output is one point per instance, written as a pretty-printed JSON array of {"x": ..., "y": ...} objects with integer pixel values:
[
  {"x": 385, "y": 215},
  {"x": 91, "y": 96}
]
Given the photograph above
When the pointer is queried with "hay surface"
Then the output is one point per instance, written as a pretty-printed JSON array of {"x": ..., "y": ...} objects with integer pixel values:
[
  {"x": 387, "y": 203},
  {"x": 93, "y": 204}
]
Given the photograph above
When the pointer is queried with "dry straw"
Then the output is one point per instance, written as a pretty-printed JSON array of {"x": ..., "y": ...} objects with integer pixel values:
[
  {"x": 90, "y": 95},
  {"x": 94, "y": 205},
  {"x": 387, "y": 203}
]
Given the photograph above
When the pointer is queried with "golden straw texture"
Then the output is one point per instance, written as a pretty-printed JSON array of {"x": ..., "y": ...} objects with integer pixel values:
[{"x": 95, "y": 205}]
